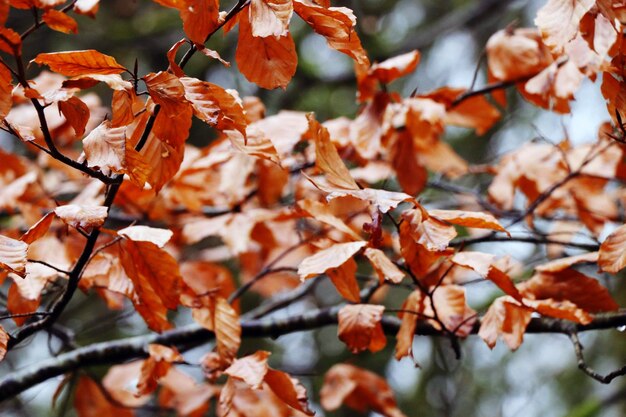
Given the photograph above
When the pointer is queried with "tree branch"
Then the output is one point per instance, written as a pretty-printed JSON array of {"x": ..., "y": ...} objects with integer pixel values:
[{"x": 193, "y": 335}]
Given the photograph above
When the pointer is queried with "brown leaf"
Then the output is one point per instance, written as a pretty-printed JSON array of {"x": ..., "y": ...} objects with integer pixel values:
[
  {"x": 513, "y": 55},
  {"x": 4, "y": 340},
  {"x": 13, "y": 255},
  {"x": 270, "y": 17},
  {"x": 251, "y": 369},
  {"x": 569, "y": 285},
  {"x": 323, "y": 213},
  {"x": 344, "y": 279},
  {"x": 106, "y": 148},
  {"x": 558, "y": 20},
  {"x": 452, "y": 310},
  {"x": 612, "y": 258},
  {"x": 199, "y": 18},
  {"x": 89, "y": 401},
  {"x": 360, "y": 327},
  {"x": 60, "y": 21},
  {"x": 156, "y": 279},
  {"x": 411, "y": 175},
  {"x": 154, "y": 235},
  {"x": 383, "y": 266},
  {"x": 474, "y": 219},
  {"x": 412, "y": 308},
  {"x": 559, "y": 265},
  {"x": 394, "y": 68},
  {"x": 269, "y": 62},
  {"x": 82, "y": 217},
  {"x": 156, "y": 366},
  {"x": 39, "y": 229},
  {"x": 358, "y": 389},
  {"x": 120, "y": 383},
  {"x": 167, "y": 91},
  {"x": 289, "y": 390},
  {"x": 76, "y": 113},
  {"x": 331, "y": 257},
  {"x": 215, "y": 105},
  {"x": 484, "y": 265},
  {"x": 181, "y": 392},
  {"x": 507, "y": 319},
  {"x": 336, "y": 24},
  {"x": 73, "y": 63}
]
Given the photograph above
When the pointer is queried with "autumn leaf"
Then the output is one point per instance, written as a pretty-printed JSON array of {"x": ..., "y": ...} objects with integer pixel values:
[
  {"x": 507, "y": 319},
  {"x": 559, "y": 265},
  {"x": 358, "y": 389},
  {"x": 106, "y": 148},
  {"x": 270, "y": 17},
  {"x": 360, "y": 327},
  {"x": 120, "y": 383},
  {"x": 167, "y": 91},
  {"x": 13, "y": 255},
  {"x": 82, "y": 217},
  {"x": 90, "y": 401},
  {"x": 39, "y": 229},
  {"x": 4, "y": 340},
  {"x": 336, "y": 24},
  {"x": 73, "y": 63},
  {"x": 331, "y": 257},
  {"x": 322, "y": 213},
  {"x": 221, "y": 318},
  {"x": 76, "y": 112},
  {"x": 215, "y": 105},
  {"x": 60, "y": 21},
  {"x": 558, "y": 20},
  {"x": 251, "y": 369},
  {"x": 155, "y": 367},
  {"x": 569, "y": 285},
  {"x": 393, "y": 68},
  {"x": 484, "y": 265},
  {"x": 269, "y": 62},
  {"x": 158, "y": 237},
  {"x": 289, "y": 390},
  {"x": 612, "y": 257},
  {"x": 383, "y": 266},
  {"x": 199, "y": 18},
  {"x": 473, "y": 219},
  {"x": 412, "y": 309}
]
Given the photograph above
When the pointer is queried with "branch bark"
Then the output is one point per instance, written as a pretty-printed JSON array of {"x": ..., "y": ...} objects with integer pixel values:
[{"x": 193, "y": 335}]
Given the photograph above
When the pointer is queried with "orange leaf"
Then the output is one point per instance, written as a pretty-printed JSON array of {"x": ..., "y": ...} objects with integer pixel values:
[
  {"x": 559, "y": 265},
  {"x": 474, "y": 219},
  {"x": 336, "y": 24},
  {"x": 227, "y": 329},
  {"x": 358, "y": 389},
  {"x": 82, "y": 217},
  {"x": 4, "y": 340},
  {"x": 452, "y": 310},
  {"x": 506, "y": 319},
  {"x": 60, "y": 21},
  {"x": 331, "y": 257},
  {"x": 516, "y": 54},
  {"x": 268, "y": 62},
  {"x": 13, "y": 255},
  {"x": 122, "y": 107},
  {"x": 344, "y": 279},
  {"x": 76, "y": 112},
  {"x": 612, "y": 258},
  {"x": 433, "y": 234},
  {"x": 73, "y": 63},
  {"x": 483, "y": 264},
  {"x": 105, "y": 148},
  {"x": 411, "y": 175},
  {"x": 156, "y": 366},
  {"x": 396, "y": 67},
  {"x": 167, "y": 91},
  {"x": 89, "y": 401},
  {"x": 412, "y": 307},
  {"x": 39, "y": 229},
  {"x": 199, "y": 18},
  {"x": 289, "y": 390},
  {"x": 322, "y": 213},
  {"x": 171, "y": 58},
  {"x": 215, "y": 105},
  {"x": 383, "y": 266},
  {"x": 87, "y": 7},
  {"x": 10, "y": 40},
  {"x": 360, "y": 327},
  {"x": 270, "y": 17},
  {"x": 558, "y": 20},
  {"x": 251, "y": 369},
  {"x": 181, "y": 392},
  {"x": 569, "y": 285},
  {"x": 156, "y": 279},
  {"x": 119, "y": 384},
  {"x": 563, "y": 309}
]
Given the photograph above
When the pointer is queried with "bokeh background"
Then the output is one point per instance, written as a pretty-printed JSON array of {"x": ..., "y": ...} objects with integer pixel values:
[{"x": 541, "y": 378}]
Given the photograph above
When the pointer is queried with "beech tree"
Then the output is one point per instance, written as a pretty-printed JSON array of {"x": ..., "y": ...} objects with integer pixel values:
[{"x": 159, "y": 231}]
